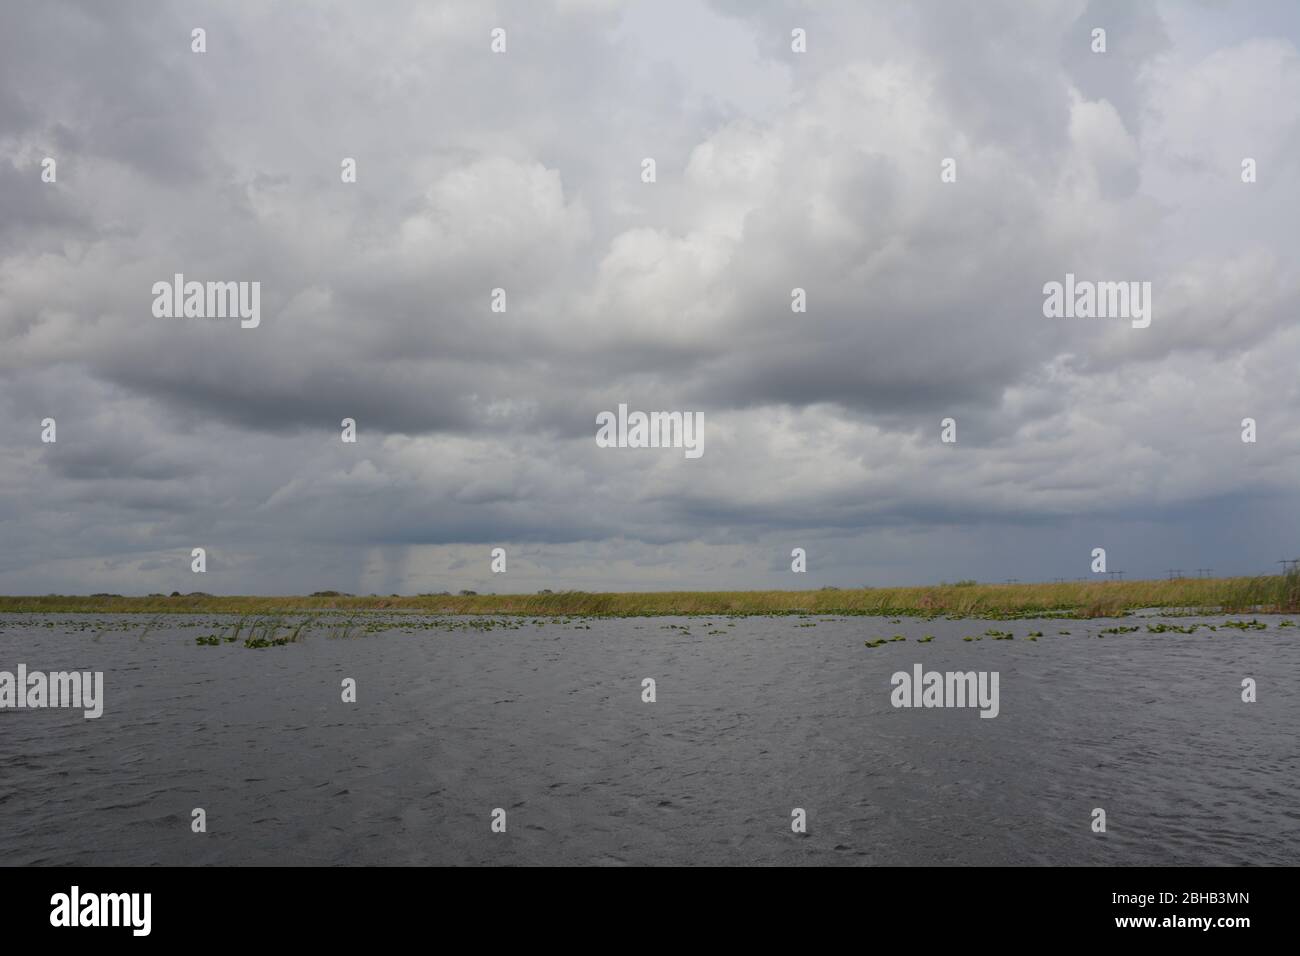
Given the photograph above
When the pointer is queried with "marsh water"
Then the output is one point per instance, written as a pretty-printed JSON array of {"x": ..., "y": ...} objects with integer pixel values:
[{"x": 752, "y": 718}]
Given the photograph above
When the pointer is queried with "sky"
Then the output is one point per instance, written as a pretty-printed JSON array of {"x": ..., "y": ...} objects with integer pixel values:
[{"x": 523, "y": 170}]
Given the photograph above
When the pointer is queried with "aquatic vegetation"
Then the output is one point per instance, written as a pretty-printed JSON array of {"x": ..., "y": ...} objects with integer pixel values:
[
  {"x": 275, "y": 629},
  {"x": 263, "y": 642},
  {"x": 1266, "y": 594}
]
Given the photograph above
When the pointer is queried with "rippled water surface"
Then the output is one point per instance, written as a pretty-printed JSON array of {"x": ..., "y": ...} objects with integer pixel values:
[{"x": 753, "y": 717}]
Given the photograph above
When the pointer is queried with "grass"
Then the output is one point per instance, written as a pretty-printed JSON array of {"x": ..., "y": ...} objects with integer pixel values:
[{"x": 1272, "y": 594}]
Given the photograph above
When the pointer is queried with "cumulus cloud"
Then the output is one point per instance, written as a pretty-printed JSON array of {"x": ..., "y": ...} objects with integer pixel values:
[{"x": 522, "y": 171}]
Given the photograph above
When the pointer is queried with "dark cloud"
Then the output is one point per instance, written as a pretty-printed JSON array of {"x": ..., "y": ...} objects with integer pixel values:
[{"x": 775, "y": 171}]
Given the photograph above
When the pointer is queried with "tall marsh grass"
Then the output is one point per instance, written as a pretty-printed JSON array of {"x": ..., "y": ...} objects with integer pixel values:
[{"x": 1276, "y": 594}]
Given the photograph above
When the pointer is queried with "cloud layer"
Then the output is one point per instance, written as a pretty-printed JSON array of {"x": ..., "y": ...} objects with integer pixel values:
[{"x": 522, "y": 171}]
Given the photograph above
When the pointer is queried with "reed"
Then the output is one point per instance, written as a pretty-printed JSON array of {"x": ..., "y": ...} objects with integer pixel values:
[{"x": 1270, "y": 594}]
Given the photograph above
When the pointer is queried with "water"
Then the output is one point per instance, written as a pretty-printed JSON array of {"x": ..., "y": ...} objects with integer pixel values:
[{"x": 546, "y": 721}]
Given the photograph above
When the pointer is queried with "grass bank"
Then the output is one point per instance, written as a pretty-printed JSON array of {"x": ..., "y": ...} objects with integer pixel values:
[{"x": 1278, "y": 594}]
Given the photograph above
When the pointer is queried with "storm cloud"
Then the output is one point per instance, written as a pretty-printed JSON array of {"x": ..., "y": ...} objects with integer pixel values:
[{"x": 522, "y": 170}]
